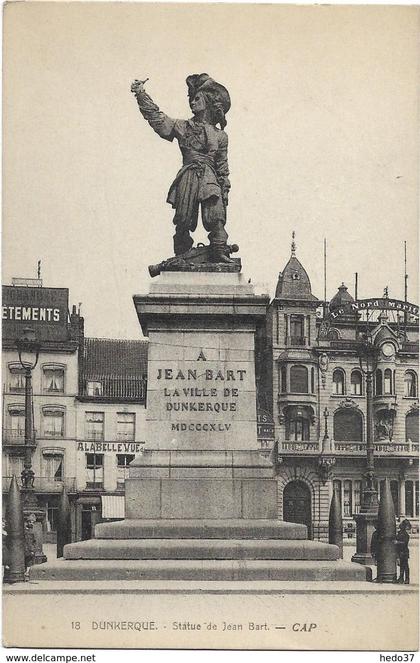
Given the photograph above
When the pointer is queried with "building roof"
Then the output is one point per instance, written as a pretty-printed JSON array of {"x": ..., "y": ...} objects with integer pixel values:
[
  {"x": 341, "y": 297},
  {"x": 294, "y": 283},
  {"x": 114, "y": 358}
]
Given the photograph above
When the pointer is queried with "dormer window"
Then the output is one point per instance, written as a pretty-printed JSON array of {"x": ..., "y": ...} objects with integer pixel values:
[{"x": 94, "y": 388}]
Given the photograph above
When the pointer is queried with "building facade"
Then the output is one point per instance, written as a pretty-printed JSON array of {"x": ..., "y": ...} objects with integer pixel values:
[
  {"x": 316, "y": 381},
  {"x": 88, "y": 407}
]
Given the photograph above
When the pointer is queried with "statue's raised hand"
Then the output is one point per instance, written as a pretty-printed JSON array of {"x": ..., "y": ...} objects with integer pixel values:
[{"x": 138, "y": 86}]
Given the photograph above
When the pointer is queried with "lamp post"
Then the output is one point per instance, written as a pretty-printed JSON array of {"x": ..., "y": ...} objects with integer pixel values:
[
  {"x": 28, "y": 351},
  {"x": 366, "y": 519},
  {"x": 326, "y": 459}
]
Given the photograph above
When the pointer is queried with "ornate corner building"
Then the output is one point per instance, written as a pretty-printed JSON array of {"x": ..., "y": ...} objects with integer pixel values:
[{"x": 315, "y": 389}]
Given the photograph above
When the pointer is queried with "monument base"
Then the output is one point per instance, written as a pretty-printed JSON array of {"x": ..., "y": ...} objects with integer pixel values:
[{"x": 199, "y": 484}]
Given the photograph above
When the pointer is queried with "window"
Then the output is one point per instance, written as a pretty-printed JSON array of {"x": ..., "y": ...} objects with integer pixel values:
[
  {"x": 388, "y": 381},
  {"x": 94, "y": 425},
  {"x": 53, "y": 422},
  {"x": 417, "y": 497},
  {"x": 53, "y": 466},
  {"x": 313, "y": 380},
  {"x": 53, "y": 380},
  {"x": 94, "y": 470},
  {"x": 296, "y": 329},
  {"x": 338, "y": 382},
  {"x": 356, "y": 383},
  {"x": 123, "y": 461},
  {"x": 378, "y": 382},
  {"x": 17, "y": 421},
  {"x": 297, "y": 429},
  {"x": 125, "y": 426},
  {"x": 52, "y": 517},
  {"x": 357, "y": 494},
  {"x": 409, "y": 499},
  {"x": 347, "y": 498},
  {"x": 299, "y": 380},
  {"x": 412, "y": 427},
  {"x": 16, "y": 379},
  {"x": 283, "y": 375},
  {"x": 348, "y": 426},
  {"x": 94, "y": 388},
  {"x": 410, "y": 384}
]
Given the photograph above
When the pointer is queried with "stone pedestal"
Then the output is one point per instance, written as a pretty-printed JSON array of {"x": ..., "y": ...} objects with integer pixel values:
[
  {"x": 364, "y": 530},
  {"x": 185, "y": 484},
  {"x": 201, "y": 458},
  {"x": 32, "y": 508}
]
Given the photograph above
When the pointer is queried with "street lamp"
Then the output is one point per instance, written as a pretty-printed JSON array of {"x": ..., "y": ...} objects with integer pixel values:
[
  {"x": 27, "y": 347},
  {"x": 365, "y": 520},
  {"x": 326, "y": 459},
  {"x": 28, "y": 351}
]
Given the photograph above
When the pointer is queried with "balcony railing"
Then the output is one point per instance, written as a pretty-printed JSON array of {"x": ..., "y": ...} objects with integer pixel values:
[
  {"x": 308, "y": 447},
  {"x": 94, "y": 435},
  {"x": 296, "y": 341},
  {"x": 12, "y": 437},
  {"x": 46, "y": 484},
  {"x": 410, "y": 346},
  {"x": 299, "y": 447}
]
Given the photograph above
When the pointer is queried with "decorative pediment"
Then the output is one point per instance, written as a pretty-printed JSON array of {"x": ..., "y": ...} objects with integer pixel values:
[{"x": 348, "y": 403}]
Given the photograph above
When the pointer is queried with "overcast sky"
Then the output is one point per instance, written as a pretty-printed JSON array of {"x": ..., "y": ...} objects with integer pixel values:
[{"x": 323, "y": 140}]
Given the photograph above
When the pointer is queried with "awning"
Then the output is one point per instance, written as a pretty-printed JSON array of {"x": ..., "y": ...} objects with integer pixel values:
[{"x": 113, "y": 506}]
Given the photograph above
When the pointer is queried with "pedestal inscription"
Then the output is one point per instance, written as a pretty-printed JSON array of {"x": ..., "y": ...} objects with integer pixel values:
[{"x": 201, "y": 390}]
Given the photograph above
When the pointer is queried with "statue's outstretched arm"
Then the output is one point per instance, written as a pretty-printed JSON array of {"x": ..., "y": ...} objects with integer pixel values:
[
  {"x": 222, "y": 167},
  {"x": 161, "y": 123}
]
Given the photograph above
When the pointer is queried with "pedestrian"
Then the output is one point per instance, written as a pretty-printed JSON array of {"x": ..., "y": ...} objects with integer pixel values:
[
  {"x": 403, "y": 552},
  {"x": 374, "y": 542},
  {"x": 29, "y": 545}
]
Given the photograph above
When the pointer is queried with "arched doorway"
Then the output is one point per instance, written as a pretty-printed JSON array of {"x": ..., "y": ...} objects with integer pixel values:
[{"x": 297, "y": 505}]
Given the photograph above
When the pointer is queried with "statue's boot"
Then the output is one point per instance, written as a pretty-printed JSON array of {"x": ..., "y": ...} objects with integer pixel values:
[{"x": 219, "y": 252}]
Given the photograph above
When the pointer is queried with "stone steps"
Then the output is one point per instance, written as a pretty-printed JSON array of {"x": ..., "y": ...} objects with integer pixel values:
[
  {"x": 285, "y": 570},
  {"x": 201, "y": 529},
  {"x": 200, "y": 549}
]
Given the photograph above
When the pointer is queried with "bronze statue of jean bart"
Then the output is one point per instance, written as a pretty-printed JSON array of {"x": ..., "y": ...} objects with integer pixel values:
[{"x": 204, "y": 177}]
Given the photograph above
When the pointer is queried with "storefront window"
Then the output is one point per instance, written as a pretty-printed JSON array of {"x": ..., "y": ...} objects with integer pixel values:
[
  {"x": 123, "y": 462},
  {"x": 347, "y": 498}
]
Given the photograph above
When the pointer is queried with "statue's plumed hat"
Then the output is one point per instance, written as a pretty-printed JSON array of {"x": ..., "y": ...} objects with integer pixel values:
[{"x": 203, "y": 83}]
